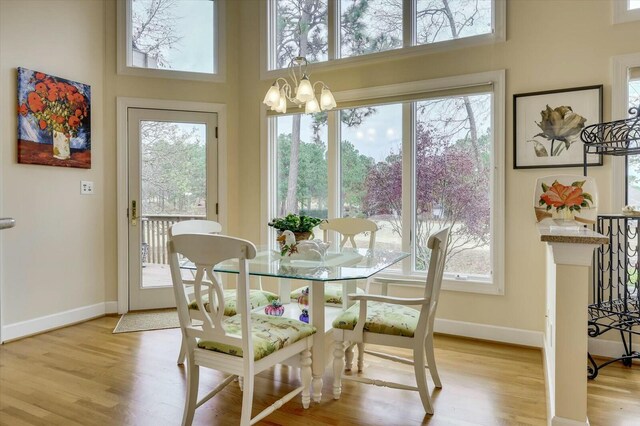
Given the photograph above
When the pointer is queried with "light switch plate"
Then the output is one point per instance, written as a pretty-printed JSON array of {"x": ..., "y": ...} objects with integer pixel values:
[{"x": 86, "y": 187}]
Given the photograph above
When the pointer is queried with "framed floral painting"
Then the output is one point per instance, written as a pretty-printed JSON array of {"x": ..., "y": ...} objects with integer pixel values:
[
  {"x": 547, "y": 126},
  {"x": 54, "y": 125},
  {"x": 566, "y": 199}
]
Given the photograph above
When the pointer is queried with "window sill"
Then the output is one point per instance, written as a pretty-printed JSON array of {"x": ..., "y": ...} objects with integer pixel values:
[
  {"x": 465, "y": 286},
  {"x": 171, "y": 74}
]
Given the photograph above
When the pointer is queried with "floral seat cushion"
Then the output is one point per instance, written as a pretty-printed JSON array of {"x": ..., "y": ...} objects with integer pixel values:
[
  {"x": 257, "y": 298},
  {"x": 269, "y": 335},
  {"x": 332, "y": 293},
  {"x": 382, "y": 318}
]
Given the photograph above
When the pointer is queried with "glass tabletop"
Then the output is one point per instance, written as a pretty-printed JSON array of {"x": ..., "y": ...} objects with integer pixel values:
[{"x": 348, "y": 264}]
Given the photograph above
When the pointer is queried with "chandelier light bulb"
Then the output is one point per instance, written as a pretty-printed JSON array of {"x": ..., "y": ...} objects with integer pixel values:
[
  {"x": 272, "y": 98},
  {"x": 312, "y": 106},
  {"x": 282, "y": 105},
  {"x": 327, "y": 101},
  {"x": 304, "y": 93}
]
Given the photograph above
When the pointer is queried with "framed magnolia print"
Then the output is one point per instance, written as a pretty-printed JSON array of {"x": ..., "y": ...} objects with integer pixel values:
[{"x": 547, "y": 126}]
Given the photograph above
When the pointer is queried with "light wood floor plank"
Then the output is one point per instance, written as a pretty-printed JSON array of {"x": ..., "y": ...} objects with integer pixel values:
[{"x": 87, "y": 376}]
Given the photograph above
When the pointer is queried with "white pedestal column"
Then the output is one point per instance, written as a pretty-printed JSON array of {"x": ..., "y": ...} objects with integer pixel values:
[{"x": 570, "y": 254}]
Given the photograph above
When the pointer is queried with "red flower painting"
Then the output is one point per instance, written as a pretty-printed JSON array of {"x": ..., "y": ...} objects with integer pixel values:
[{"x": 54, "y": 127}]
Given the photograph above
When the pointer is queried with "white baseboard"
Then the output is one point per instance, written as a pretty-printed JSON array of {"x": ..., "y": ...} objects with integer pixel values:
[
  {"x": 494, "y": 333},
  {"x": 39, "y": 325},
  {"x": 562, "y": 421},
  {"x": 608, "y": 348}
]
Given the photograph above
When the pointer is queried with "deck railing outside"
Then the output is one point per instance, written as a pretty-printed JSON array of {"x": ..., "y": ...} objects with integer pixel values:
[{"x": 155, "y": 233}]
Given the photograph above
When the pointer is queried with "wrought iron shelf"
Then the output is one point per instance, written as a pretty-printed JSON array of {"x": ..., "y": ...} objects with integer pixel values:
[{"x": 615, "y": 302}]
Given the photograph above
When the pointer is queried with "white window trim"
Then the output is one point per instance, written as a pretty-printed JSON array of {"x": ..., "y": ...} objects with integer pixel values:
[
  {"x": 122, "y": 200},
  {"x": 267, "y": 22},
  {"x": 620, "y": 66},
  {"x": 219, "y": 46},
  {"x": 622, "y": 13},
  {"x": 497, "y": 78}
]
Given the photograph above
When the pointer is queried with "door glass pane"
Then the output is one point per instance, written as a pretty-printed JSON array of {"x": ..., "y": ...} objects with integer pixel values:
[
  {"x": 440, "y": 20},
  {"x": 369, "y": 26},
  {"x": 173, "y": 188},
  {"x": 371, "y": 171},
  {"x": 453, "y": 141},
  {"x": 173, "y": 35},
  {"x": 633, "y": 161},
  {"x": 300, "y": 30},
  {"x": 301, "y": 150}
]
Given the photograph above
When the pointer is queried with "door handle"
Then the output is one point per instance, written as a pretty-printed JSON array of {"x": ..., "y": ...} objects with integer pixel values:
[{"x": 134, "y": 213}]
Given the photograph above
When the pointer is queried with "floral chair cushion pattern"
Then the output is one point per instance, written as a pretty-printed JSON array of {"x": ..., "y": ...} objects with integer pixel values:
[
  {"x": 332, "y": 293},
  {"x": 269, "y": 335},
  {"x": 257, "y": 298},
  {"x": 382, "y": 318}
]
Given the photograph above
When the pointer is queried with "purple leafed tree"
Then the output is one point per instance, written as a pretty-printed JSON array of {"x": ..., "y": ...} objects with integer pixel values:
[{"x": 451, "y": 190}]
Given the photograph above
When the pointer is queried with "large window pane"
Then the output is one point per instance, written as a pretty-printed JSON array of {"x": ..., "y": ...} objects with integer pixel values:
[
  {"x": 301, "y": 30},
  {"x": 452, "y": 168},
  {"x": 440, "y": 20},
  {"x": 369, "y": 26},
  {"x": 634, "y": 4},
  {"x": 633, "y": 161},
  {"x": 301, "y": 151},
  {"x": 371, "y": 170},
  {"x": 173, "y": 35}
]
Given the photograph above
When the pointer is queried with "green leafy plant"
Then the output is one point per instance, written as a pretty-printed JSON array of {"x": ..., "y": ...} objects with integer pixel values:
[{"x": 295, "y": 223}]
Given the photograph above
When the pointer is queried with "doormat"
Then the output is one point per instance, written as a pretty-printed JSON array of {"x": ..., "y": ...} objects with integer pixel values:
[{"x": 147, "y": 320}]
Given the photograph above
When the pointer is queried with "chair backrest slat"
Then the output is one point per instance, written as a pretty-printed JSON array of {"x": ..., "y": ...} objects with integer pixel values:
[
  {"x": 348, "y": 228},
  {"x": 195, "y": 226}
]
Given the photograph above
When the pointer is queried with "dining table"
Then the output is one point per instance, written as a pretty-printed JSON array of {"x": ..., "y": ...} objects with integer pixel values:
[{"x": 346, "y": 266}]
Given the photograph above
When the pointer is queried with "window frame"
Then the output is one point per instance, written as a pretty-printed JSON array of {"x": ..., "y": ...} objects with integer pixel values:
[
  {"x": 124, "y": 50},
  {"x": 621, "y": 65},
  {"x": 621, "y": 12},
  {"x": 497, "y": 78},
  {"x": 408, "y": 49}
]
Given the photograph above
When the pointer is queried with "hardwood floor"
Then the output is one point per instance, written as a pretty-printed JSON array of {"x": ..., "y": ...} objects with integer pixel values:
[{"x": 84, "y": 375}]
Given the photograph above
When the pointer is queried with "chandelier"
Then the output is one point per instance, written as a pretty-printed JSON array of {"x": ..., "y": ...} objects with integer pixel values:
[{"x": 301, "y": 92}]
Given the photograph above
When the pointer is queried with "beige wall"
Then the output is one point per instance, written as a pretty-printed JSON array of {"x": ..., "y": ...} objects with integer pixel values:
[
  {"x": 54, "y": 260},
  {"x": 62, "y": 255},
  {"x": 550, "y": 45}
]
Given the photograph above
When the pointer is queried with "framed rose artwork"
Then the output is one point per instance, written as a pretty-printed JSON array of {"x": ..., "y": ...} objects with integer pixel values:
[
  {"x": 54, "y": 124},
  {"x": 547, "y": 126}
]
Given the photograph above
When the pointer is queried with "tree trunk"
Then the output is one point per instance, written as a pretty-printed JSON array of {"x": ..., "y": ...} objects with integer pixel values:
[
  {"x": 292, "y": 185},
  {"x": 294, "y": 159}
]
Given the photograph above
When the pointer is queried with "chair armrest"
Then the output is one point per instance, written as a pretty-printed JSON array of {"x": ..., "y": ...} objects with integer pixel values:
[{"x": 389, "y": 299}]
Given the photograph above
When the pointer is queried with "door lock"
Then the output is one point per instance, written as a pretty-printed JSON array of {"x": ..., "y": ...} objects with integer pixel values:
[{"x": 134, "y": 213}]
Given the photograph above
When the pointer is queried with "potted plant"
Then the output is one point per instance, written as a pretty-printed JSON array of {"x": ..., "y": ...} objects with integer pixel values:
[{"x": 301, "y": 225}]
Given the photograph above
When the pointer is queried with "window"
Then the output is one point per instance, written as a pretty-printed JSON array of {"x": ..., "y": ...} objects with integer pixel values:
[
  {"x": 170, "y": 38},
  {"x": 625, "y": 10},
  {"x": 414, "y": 165},
  {"x": 633, "y": 161},
  {"x": 328, "y": 30}
]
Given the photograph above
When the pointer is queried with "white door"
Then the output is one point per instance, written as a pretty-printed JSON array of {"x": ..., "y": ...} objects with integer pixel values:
[{"x": 172, "y": 177}]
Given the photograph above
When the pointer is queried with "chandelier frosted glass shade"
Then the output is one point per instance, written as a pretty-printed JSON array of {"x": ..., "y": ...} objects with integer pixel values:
[{"x": 302, "y": 92}]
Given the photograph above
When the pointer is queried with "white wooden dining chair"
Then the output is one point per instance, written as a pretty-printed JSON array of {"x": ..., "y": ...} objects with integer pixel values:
[
  {"x": 257, "y": 297},
  {"x": 243, "y": 345},
  {"x": 389, "y": 321}
]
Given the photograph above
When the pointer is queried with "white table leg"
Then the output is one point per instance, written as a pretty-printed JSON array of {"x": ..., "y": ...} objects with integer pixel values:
[
  {"x": 316, "y": 315},
  {"x": 284, "y": 290}
]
